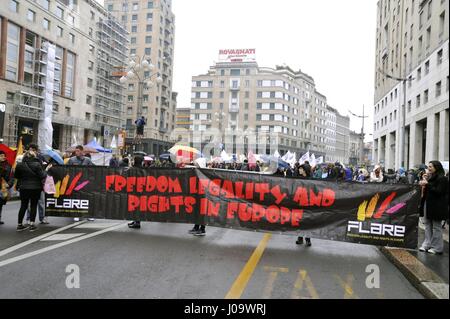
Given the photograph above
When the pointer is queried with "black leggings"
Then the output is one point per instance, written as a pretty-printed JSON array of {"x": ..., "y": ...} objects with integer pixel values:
[{"x": 27, "y": 195}]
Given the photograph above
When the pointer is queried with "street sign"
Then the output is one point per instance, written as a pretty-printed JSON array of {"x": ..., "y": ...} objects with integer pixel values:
[{"x": 106, "y": 134}]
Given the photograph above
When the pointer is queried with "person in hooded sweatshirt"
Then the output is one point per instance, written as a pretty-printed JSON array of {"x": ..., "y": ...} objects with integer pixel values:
[{"x": 30, "y": 176}]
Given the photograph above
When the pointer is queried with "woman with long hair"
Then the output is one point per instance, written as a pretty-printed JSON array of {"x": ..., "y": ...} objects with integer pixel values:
[{"x": 434, "y": 207}]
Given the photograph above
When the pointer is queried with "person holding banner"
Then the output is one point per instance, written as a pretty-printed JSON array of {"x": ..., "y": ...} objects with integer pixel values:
[
  {"x": 138, "y": 160},
  {"x": 304, "y": 174},
  {"x": 434, "y": 207}
]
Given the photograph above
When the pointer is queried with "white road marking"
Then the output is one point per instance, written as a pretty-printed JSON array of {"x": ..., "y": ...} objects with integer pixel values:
[
  {"x": 91, "y": 225},
  {"x": 61, "y": 237},
  {"x": 68, "y": 242},
  {"x": 33, "y": 240}
]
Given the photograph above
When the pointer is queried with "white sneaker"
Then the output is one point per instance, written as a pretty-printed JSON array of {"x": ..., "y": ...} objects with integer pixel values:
[
  {"x": 76, "y": 219},
  {"x": 434, "y": 251},
  {"x": 91, "y": 219},
  {"x": 423, "y": 249}
]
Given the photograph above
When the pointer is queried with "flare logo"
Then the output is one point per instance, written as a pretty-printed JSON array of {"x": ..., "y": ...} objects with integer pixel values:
[
  {"x": 366, "y": 211},
  {"x": 63, "y": 188}
]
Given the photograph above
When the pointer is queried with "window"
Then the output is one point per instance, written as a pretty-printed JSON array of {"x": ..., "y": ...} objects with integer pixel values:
[
  {"x": 427, "y": 67},
  {"x": 70, "y": 74},
  {"x": 425, "y": 97},
  {"x": 91, "y": 48},
  {"x": 88, "y": 99},
  {"x": 92, "y": 15},
  {"x": 135, "y": 6},
  {"x": 59, "y": 13},
  {"x": 149, "y": 17},
  {"x": 46, "y": 24},
  {"x": 88, "y": 116},
  {"x": 439, "y": 57},
  {"x": 59, "y": 31},
  {"x": 130, "y": 98},
  {"x": 133, "y": 28},
  {"x": 148, "y": 51},
  {"x": 235, "y": 72},
  {"x": 148, "y": 39},
  {"x": 419, "y": 74},
  {"x": 150, "y": 5},
  {"x": 418, "y": 100},
  {"x": 67, "y": 111},
  {"x": 134, "y": 17},
  {"x": 133, "y": 40},
  {"x": 14, "y": 6},
  {"x": 441, "y": 23},
  {"x": 409, "y": 106},
  {"x": 90, "y": 82},
  {"x": 438, "y": 89},
  {"x": 91, "y": 65},
  {"x": 71, "y": 19},
  {"x": 31, "y": 16},
  {"x": 71, "y": 38},
  {"x": 91, "y": 32},
  {"x": 110, "y": 7},
  {"x": 429, "y": 9},
  {"x": 149, "y": 28},
  {"x": 428, "y": 37}
]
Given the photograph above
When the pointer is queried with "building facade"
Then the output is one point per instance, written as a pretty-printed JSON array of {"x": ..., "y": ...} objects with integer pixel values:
[
  {"x": 60, "y": 52},
  {"x": 411, "y": 113},
  {"x": 278, "y": 104},
  {"x": 151, "y": 27}
]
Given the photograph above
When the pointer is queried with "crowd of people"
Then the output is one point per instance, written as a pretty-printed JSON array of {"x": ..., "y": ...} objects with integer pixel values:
[{"x": 31, "y": 171}]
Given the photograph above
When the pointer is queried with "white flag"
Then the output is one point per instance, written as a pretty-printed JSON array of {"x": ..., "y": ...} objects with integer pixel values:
[
  {"x": 225, "y": 157},
  {"x": 113, "y": 142},
  {"x": 304, "y": 158},
  {"x": 276, "y": 154},
  {"x": 319, "y": 160},
  {"x": 313, "y": 161}
]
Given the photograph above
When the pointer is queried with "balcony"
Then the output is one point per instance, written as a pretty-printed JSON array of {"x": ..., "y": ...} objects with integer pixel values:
[{"x": 162, "y": 129}]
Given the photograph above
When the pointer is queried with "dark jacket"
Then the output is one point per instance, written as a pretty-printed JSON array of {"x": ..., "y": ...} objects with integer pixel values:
[
  {"x": 30, "y": 174},
  {"x": 436, "y": 198}
]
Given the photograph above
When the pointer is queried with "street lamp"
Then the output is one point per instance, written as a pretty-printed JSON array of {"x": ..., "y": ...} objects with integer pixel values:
[
  {"x": 136, "y": 70},
  {"x": 218, "y": 116},
  {"x": 403, "y": 120},
  {"x": 361, "y": 155}
]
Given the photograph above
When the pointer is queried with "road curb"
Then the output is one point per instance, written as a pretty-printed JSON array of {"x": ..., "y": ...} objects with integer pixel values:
[{"x": 427, "y": 282}]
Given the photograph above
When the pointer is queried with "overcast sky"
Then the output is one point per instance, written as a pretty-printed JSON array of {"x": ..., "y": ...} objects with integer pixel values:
[{"x": 332, "y": 41}]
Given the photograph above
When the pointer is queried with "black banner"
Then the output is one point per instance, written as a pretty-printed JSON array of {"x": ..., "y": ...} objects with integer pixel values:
[{"x": 375, "y": 214}]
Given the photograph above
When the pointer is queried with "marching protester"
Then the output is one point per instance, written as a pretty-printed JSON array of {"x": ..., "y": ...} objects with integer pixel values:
[
  {"x": 6, "y": 182},
  {"x": 124, "y": 162},
  {"x": 303, "y": 174},
  {"x": 80, "y": 160},
  {"x": 376, "y": 176},
  {"x": 434, "y": 207},
  {"x": 30, "y": 176},
  {"x": 137, "y": 164},
  {"x": 114, "y": 162}
]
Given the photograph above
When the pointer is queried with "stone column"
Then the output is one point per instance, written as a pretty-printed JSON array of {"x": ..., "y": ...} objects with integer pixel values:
[
  {"x": 431, "y": 149},
  {"x": 443, "y": 136},
  {"x": 415, "y": 144}
]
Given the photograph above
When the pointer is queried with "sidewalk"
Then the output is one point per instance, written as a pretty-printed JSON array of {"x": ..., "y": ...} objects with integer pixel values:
[{"x": 428, "y": 273}]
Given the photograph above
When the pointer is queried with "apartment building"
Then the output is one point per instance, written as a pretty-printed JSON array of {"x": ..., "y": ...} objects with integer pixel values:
[
  {"x": 238, "y": 95},
  {"x": 151, "y": 27},
  {"x": 411, "y": 109},
  {"x": 57, "y": 61}
]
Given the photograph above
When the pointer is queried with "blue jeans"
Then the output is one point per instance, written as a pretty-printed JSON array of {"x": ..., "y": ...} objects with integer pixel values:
[
  {"x": 433, "y": 234},
  {"x": 40, "y": 207}
]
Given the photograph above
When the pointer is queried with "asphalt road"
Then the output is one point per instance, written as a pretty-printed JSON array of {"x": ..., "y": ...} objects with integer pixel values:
[{"x": 164, "y": 261}]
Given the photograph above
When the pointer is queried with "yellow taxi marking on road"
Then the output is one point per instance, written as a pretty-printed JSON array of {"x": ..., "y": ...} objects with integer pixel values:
[
  {"x": 347, "y": 286},
  {"x": 303, "y": 277},
  {"x": 242, "y": 280},
  {"x": 267, "y": 292}
]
